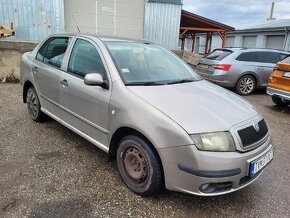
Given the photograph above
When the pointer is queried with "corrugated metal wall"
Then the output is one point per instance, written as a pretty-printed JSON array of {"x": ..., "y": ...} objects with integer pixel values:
[
  {"x": 33, "y": 19},
  {"x": 162, "y": 23}
]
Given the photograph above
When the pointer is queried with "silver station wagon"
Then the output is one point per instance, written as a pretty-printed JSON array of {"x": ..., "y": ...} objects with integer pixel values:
[{"x": 141, "y": 104}]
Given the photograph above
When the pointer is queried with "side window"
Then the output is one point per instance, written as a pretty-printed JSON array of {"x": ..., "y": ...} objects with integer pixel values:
[
  {"x": 53, "y": 50},
  {"x": 85, "y": 59},
  {"x": 268, "y": 57},
  {"x": 248, "y": 56}
]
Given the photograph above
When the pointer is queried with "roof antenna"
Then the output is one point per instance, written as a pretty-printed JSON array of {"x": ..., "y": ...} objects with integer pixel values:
[{"x": 76, "y": 23}]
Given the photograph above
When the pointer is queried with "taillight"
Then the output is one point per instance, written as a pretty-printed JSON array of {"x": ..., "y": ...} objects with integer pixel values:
[{"x": 224, "y": 67}]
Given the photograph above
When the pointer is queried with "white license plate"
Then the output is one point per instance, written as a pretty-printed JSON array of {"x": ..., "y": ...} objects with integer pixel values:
[
  {"x": 286, "y": 74},
  {"x": 261, "y": 162}
]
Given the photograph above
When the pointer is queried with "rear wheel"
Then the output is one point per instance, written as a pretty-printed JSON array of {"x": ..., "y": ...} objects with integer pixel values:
[
  {"x": 139, "y": 166},
  {"x": 246, "y": 85},
  {"x": 33, "y": 105},
  {"x": 280, "y": 101}
]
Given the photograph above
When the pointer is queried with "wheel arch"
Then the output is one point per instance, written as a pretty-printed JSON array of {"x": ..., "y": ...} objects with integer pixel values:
[
  {"x": 251, "y": 74},
  {"x": 26, "y": 86},
  {"x": 120, "y": 133}
]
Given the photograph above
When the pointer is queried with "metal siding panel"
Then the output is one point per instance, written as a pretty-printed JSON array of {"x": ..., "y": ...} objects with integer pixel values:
[
  {"x": 33, "y": 19},
  {"x": 162, "y": 22},
  {"x": 166, "y": 1}
]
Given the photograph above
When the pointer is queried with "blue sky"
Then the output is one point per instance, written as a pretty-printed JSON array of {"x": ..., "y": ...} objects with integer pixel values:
[{"x": 238, "y": 12}]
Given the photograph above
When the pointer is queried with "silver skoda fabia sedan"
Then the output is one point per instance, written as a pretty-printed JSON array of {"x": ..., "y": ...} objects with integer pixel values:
[{"x": 141, "y": 104}]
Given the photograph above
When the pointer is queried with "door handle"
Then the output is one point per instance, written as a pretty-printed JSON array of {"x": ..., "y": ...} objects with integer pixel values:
[
  {"x": 64, "y": 83},
  {"x": 35, "y": 69}
]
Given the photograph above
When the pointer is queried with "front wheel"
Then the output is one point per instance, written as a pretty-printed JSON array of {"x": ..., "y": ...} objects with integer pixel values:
[
  {"x": 280, "y": 101},
  {"x": 139, "y": 166},
  {"x": 33, "y": 105},
  {"x": 246, "y": 85}
]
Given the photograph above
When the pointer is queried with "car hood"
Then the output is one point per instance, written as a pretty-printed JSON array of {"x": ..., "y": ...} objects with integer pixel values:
[{"x": 199, "y": 106}]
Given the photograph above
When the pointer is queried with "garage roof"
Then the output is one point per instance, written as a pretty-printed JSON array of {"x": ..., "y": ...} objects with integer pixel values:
[{"x": 189, "y": 19}]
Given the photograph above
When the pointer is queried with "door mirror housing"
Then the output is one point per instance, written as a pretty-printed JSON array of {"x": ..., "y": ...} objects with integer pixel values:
[{"x": 93, "y": 79}]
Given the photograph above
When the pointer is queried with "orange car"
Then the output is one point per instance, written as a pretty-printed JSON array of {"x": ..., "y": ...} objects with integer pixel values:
[{"x": 279, "y": 83}]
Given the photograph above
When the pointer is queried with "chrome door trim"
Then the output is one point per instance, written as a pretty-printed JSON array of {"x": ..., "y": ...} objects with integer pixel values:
[
  {"x": 77, "y": 116},
  {"x": 90, "y": 139}
]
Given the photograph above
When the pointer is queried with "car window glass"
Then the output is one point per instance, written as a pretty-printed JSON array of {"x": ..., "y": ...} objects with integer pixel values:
[
  {"x": 85, "y": 59},
  {"x": 53, "y": 51},
  {"x": 218, "y": 54},
  {"x": 148, "y": 63},
  {"x": 268, "y": 57},
  {"x": 248, "y": 56},
  {"x": 282, "y": 56}
]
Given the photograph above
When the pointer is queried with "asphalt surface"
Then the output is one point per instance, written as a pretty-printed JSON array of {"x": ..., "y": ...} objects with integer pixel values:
[{"x": 46, "y": 170}]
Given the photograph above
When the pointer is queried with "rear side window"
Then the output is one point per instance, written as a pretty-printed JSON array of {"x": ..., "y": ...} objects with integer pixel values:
[
  {"x": 269, "y": 57},
  {"x": 218, "y": 54},
  {"x": 286, "y": 60},
  {"x": 262, "y": 57},
  {"x": 248, "y": 56},
  {"x": 85, "y": 59},
  {"x": 53, "y": 50}
]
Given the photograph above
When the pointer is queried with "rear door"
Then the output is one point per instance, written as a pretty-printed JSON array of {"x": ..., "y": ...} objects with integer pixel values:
[
  {"x": 46, "y": 70},
  {"x": 86, "y": 107},
  {"x": 267, "y": 60}
]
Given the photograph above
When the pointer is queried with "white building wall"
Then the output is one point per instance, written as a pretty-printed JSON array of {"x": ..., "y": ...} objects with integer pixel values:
[{"x": 124, "y": 18}]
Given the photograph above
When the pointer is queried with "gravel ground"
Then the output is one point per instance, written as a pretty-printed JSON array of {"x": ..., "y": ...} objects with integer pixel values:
[{"x": 46, "y": 170}]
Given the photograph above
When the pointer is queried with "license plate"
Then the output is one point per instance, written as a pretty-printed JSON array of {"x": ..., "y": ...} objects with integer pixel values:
[
  {"x": 286, "y": 74},
  {"x": 261, "y": 162}
]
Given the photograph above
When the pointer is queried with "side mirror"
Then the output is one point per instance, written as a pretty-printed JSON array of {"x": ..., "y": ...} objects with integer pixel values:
[{"x": 93, "y": 79}]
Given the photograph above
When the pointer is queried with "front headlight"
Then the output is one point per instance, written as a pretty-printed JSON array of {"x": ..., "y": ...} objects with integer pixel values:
[{"x": 217, "y": 141}]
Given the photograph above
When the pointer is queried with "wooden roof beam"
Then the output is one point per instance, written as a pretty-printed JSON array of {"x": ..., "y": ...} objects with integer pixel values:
[{"x": 202, "y": 29}]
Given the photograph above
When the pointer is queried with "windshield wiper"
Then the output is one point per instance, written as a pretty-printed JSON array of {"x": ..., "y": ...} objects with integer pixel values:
[
  {"x": 181, "y": 81},
  {"x": 145, "y": 84}
]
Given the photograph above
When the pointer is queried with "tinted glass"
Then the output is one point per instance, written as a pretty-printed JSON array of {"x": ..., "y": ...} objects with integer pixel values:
[
  {"x": 141, "y": 63},
  {"x": 85, "y": 59},
  {"x": 53, "y": 51},
  {"x": 248, "y": 56},
  {"x": 268, "y": 57},
  {"x": 262, "y": 57},
  {"x": 218, "y": 54},
  {"x": 286, "y": 60}
]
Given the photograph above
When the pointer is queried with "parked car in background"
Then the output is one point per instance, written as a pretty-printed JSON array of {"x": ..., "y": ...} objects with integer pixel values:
[
  {"x": 240, "y": 68},
  {"x": 140, "y": 103},
  {"x": 279, "y": 83}
]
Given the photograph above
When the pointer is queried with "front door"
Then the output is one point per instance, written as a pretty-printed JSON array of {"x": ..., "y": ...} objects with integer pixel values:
[{"x": 85, "y": 107}]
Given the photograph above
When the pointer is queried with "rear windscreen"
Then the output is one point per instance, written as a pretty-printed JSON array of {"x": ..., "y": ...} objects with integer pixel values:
[{"x": 218, "y": 55}]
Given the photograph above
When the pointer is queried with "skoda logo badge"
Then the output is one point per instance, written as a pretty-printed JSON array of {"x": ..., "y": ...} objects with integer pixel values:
[{"x": 256, "y": 126}]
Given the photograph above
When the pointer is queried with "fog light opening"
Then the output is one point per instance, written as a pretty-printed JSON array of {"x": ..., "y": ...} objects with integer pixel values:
[{"x": 215, "y": 187}]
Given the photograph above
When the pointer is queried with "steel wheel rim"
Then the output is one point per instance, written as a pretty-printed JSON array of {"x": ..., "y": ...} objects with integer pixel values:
[
  {"x": 135, "y": 164},
  {"x": 246, "y": 85},
  {"x": 32, "y": 103}
]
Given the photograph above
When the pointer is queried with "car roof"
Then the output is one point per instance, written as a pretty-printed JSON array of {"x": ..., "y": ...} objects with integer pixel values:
[
  {"x": 104, "y": 38},
  {"x": 256, "y": 49}
]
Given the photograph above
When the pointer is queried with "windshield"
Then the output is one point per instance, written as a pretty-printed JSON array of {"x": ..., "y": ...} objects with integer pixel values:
[{"x": 147, "y": 64}]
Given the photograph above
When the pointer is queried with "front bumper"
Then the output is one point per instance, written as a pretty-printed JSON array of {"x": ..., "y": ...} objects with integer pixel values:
[
  {"x": 280, "y": 93},
  {"x": 187, "y": 169}
]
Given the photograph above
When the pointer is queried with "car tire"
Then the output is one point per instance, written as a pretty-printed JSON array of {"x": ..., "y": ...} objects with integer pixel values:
[
  {"x": 246, "y": 85},
  {"x": 139, "y": 166},
  {"x": 33, "y": 105},
  {"x": 280, "y": 101}
]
